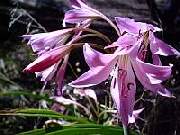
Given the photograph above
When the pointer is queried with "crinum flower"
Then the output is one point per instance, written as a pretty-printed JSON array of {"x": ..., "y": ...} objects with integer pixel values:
[
  {"x": 83, "y": 14},
  {"x": 51, "y": 48},
  {"x": 125, "y": 65},
  {"x": 128, "y": 62},
  {"x": 46, "y": 45},
  {"x": 146, "y": 32}
]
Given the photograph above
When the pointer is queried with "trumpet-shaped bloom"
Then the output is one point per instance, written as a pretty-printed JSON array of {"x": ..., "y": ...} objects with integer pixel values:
[
  {"x": 46, "y": 46},
  {"x": 133, "y": 27},
  {"x": 43, "y": 42},
  {"x": 145, "y": 31},
  {"x": 48, "y": 58},
  {"x": 124, "y": 66},
  {"x": 51, "y": 52},
  {"x": 80, "y": 12}
]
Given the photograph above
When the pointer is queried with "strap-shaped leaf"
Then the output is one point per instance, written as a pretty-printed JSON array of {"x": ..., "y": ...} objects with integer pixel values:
[
  {"x": 33, "y": 112},
  {"x": 81, "y": 129}
]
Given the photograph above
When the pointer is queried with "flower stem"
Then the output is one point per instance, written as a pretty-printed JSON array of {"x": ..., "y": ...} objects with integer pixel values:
[
  {"x": 91, "y": 35},
  {"x": 125, "y": 130},
  {"x": 113, "y": 25},
  {"x": 108, "y": 20},
  {"x": 95, "y": 32}
]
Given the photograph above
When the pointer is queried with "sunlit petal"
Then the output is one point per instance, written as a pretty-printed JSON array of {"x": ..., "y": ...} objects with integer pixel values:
[
  {"x": 132, "y": 27},
  {"x": 155, "y": 73},
  {"x": 127, "y": 90},
  {"x": 143, "y": 78},
  {"x": 159, "y": 47},
  {"x": 49, "y": 58},
  {"x": 135, "y": 115},
  {"x": 42, "y": 42},
  {"x": 100, "y": 67},
  {"x": 47, "y": 74}
]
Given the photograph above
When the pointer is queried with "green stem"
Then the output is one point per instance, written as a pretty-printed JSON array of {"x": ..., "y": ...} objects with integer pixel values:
[
  {"x": 113, "y": 25},
  {"x": 95, "y": 32},
  {"x": 125, "y": 130},
  {"x": 108, "y": 20},
  {"x": 91, "y": 35}
]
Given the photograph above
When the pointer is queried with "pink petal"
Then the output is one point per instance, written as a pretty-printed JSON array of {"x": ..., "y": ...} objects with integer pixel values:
[
  {"x": 100, "y": 67},
  {"x": 47, "y": 74},
  {"x": 130, "y": 26},
  {"x": 66, "y": 101},
  {"x": 127, "y": 88},
  {"x": 94, "y": 58},
  {"x": 45, "y": 41},
  {"x": 49, "y": 58},
  {"x": 156, "y": 60},
  {"x": 135, "y": 115},
  {"x": 159, "y": 47},
  {"x": 124, "y": 42},
  {"x": 60, "y": 76},
  {"x": 81, "y": 12},
  {"x": 143, "y": 78},
  {"x": 128, "y": 44},
  {"x": 78, "y": 3},
  {"x": 79, "y": 15},
  {"x": 164, "y": 92},
  {"x": 155, "y": 73},
  {"x": 111, "y": 46}
]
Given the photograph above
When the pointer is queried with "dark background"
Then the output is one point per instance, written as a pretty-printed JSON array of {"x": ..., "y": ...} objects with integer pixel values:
[{"x": 16, "y": 18}]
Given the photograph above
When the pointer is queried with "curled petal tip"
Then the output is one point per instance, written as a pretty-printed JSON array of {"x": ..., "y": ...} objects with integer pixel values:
[
  {"x": 25, "y": 70},
  {"x": 166, "y": 93},
  {"x": 74, "y": 86}
]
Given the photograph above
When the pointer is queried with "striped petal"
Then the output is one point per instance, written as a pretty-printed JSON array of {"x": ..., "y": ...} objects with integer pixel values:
[
  {"x": 42, "y": 42},
  {"x": 157, "y": 46},
  {"x": 100, "y": 67},
  {"x": 79, "y": 15},
  {"x": 155, "y": 73},
  {"x": 132, "y": 27},
  {"x": 81, "y": 12},
  {"x": 127, "y": 89},
  {"x": 145, "y": 81},
  {"x": 49, "y": 58}
]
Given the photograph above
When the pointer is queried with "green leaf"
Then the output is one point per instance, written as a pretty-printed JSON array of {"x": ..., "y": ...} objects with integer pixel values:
[
  {"x": 33, "y": 112},
  {"x": 87, "y": 131},
  {"x": 7, "y": 80},
  {"x": 34, "y": 132},
  {"x": 91, "y": 126},
  {"x": 81, "y": 129}
]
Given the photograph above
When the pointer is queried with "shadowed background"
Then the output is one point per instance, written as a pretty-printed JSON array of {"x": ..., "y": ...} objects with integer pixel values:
[{"x": 18, "y": 17}]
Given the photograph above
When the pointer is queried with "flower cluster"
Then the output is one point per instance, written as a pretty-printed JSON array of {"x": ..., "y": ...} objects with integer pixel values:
[{"x": 127, "y": 62}]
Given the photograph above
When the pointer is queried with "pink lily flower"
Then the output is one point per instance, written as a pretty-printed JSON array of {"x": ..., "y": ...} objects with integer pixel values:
[
  {"x": 51, "y": 52},
  {"x": 80, "y": 12},
  {"x": 48, "y": 58},
  {"x": 145, "y": 31},
  {"x": 83, "y": 14},
  {"x": 125, "y": 65},
  {"x": 43, "y": 42}
]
